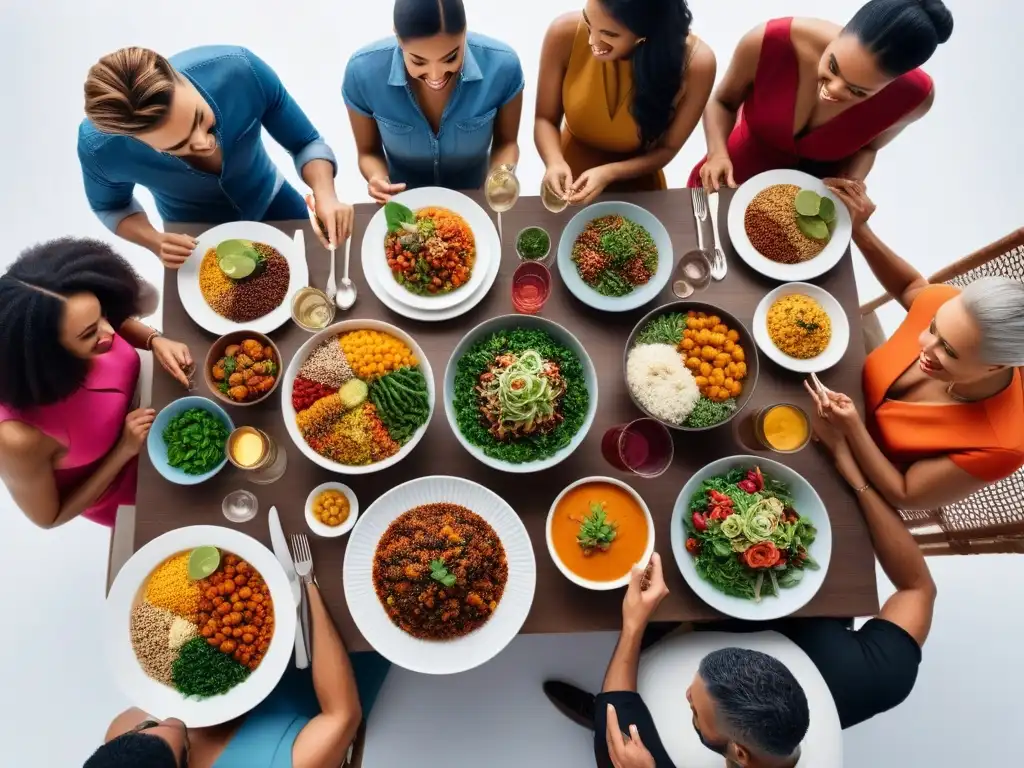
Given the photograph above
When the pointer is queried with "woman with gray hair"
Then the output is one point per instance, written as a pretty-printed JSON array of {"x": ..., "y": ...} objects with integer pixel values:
[{"x": 943, "y": 396}]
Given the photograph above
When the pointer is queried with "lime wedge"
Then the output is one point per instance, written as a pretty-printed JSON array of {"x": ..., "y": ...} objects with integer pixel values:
[
  {"x": 237, "y": 266},
  {"x": 234, "y": 248},
  {"x": 813, "y": 227},
  {"x": 807, "y": 203},
  {"x": 827, "y": 210},
  {"x": 202, "y": 562}
]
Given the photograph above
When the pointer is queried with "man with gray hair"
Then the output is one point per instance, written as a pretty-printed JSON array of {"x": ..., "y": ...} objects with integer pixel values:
[{"x": 773, "y": 695}]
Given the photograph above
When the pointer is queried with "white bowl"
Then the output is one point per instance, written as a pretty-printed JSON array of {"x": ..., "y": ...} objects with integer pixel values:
[
  {"x": 439, "y": 657},
  {"x": 837, "y": 345},
  {"x": 160, "y": 700},
  {"x": 559, "y": 334},
  {"x": 805, "y": 270},
  {"x": 188, "y": 276},
  {"x": 640, "y": 295},
  {"x": 327, "y": 531},
  {"x": 488, "y": 247},
  {"x": 288, "y": 382},
  {"x": 807, "y": 504},
  {"x": 589, "y": 583}
]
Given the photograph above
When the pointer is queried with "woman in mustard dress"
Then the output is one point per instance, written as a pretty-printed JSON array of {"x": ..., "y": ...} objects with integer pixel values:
[{"x": 630, "y": 83}]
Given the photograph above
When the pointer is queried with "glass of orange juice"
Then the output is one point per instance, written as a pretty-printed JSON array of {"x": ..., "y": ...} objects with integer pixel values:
[
  {"x": 253, "y": 451},
  {"x": 783, "y": 428}
]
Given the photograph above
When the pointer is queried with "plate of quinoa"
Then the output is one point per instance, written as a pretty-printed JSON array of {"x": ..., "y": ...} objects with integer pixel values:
[
  {"x": 251, "y": 287},
  {"x": 615, "y": 256},
  {"x": 357, "y": 397},
  {"x": 176, "y": 652},
  {"x": 765, "y": 228}
]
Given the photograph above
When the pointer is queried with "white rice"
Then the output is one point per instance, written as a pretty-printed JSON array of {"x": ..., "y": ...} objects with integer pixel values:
[{"x": 661, "y": 382}]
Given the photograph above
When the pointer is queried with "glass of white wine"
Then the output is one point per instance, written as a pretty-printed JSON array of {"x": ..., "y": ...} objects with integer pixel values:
[
  {"x": 552, "y": 200},
  {"x": 501, "y": 191},
  {"x": 312, "y": 309}
]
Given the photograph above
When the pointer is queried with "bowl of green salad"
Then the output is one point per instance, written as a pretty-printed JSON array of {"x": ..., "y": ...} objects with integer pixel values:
[
  {"x": 520, "y": 393},
  {"x": 187, "y": 439}
]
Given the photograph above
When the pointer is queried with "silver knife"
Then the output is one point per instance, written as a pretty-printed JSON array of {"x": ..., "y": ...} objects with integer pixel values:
[
  {"x": 718, "y": 265},
  {"x": 284, "y": 557}
]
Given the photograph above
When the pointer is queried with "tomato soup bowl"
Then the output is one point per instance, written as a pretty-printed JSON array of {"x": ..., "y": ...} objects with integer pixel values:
[{"x": 621, "y": 491}]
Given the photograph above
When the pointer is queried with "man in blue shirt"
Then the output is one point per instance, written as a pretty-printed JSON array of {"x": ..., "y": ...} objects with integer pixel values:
[
  {"x": 188, "y": 129},
  {"x": 290, "y": 729}
]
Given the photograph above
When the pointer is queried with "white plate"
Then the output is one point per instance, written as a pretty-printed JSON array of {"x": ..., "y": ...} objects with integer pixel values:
[
  {"x": 188, "y": 276},
  {"x": 807, "y": 504},
  {"x": 805, "y": 270},
  {"x": 599, "y": 586},
  {"x": 837, "y": 345},
  {"x": 288, "y": 411},
  {"x": 439, "y": 657},
  {"x": 160, "y": 700},
  {"x": 488, "y": 247},
  {"x": 641, "y": 295},
  {"x": 559, "y": 334}
]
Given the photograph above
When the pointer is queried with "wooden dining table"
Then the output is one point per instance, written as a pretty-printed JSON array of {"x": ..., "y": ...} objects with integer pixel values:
[{"x": 559, "y": 606}]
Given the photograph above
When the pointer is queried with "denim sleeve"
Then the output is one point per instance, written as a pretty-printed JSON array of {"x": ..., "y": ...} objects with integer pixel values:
[
  {"x": 515, "y": 81},
  {"x": 111, "y": 201},
  {"x": 285, "y": 121},
  {"x": 352, "y": 90}
]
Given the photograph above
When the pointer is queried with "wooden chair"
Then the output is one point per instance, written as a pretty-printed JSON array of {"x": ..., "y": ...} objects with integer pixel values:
[{"x": 992, "y": 520}]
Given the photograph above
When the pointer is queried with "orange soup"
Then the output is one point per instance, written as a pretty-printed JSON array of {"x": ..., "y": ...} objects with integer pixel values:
[{"x": 609, "y": 560}]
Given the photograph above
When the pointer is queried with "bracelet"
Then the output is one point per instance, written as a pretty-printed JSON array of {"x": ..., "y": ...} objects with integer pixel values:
[
  {"x": 863, "y": 488},
  {"x": 149, "y": 339}
]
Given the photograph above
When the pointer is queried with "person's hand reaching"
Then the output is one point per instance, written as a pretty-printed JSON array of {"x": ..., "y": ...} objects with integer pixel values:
[
  {"x": 381, "y": 189},
  {"x": 717, "y": 172},
  {"x": 645, "y": 592},
  {"x": 173, "y": 249}
]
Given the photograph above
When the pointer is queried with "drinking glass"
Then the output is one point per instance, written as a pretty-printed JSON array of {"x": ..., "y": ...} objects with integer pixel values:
[
  {"x": 552, "y": 201},
  {"x": 501, "y": 190},
  {"x": 240, "y": 506},
  {"x": 265, "y": 466},
  {"x": 531, "y": 286},
  {"x": 771, "y": 432},
  {"x": 692, "y": 273},
  {"x": 312, "y": 309},
  {"x": 643, "y": 447}
]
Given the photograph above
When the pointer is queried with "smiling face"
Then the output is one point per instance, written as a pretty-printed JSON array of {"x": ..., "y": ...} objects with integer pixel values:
[
  {"x": 188, "y": 127},
  {"x": 848, "y": 71},
  {"x": 950, "y": 344},
  {"x": 609, "y": 40},
  {"x": 84, "y": 331},
  {"x": 435, "y": 61}
]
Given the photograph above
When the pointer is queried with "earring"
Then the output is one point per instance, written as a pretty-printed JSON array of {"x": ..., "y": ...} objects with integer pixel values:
[{"x": 641, "y": 40}]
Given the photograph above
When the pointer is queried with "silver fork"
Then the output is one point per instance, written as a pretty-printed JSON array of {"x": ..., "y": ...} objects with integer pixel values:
[
  {"x": 700, "y": 213},
  {"x": 304, "y": 568}
]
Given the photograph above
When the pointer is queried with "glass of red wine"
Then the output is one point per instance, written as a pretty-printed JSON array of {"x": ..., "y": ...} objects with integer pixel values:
[
  {"x": 643, "y": 447},
  {"x": 531, "y": 285}
]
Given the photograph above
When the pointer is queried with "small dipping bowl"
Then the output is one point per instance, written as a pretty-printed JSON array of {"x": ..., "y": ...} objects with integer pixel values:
[
  {"x": 536, "y": 259},
  {"x": 217, "y": 352},
  {"x": 332, "y": 531},
  {"x": 692, "y": 273},
  {"x": 778, "y": 426}
]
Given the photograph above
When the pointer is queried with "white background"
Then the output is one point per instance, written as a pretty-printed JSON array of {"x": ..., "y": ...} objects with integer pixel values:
[{"x": 947, "y": 186}]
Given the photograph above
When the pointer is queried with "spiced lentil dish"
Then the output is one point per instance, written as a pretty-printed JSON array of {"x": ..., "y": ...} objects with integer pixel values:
[
  {"x": 202, "y": 636},
  {"x": 439, "y": 571},
  {"x": 799, "y": 326},
  {"x": 771, "y": 225},
  {"x": 246, "y": 298},
  {"x": 359, "y": 397},
  {"x": 614, "y": 255}
]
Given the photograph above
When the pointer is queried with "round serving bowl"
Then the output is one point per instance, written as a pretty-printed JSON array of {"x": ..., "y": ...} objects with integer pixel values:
[
  {"x": 837, "y": 345},
  {"x": 598, "y": 586},
  {"x": 288, "y": 410},
  {"x": 217, "y": 352},
  {"x": 328, "y": 531},
  {"x": 157, "y": 449},
  {"x": 560, "y": 335},
  {"x": 641, "y": 294},
  {"x": 729, "y": 319}
]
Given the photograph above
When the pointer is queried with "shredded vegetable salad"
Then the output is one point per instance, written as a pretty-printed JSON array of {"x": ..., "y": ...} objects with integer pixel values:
[{"x": 746, "y": 538}]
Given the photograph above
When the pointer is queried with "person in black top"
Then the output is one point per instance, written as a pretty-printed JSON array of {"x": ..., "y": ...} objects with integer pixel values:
[{"x": 747, "y": 705}]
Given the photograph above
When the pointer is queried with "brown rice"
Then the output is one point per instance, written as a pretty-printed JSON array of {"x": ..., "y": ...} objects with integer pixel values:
[
  {"x": 770, "y": 223},
  {"x": 150, "y": 628}
]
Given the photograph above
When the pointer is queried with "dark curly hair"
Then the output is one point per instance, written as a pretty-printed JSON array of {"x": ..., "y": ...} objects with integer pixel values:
[
  {"x": 657, "y": 62},
  {"x": 133, "y": 750},
  {"x": 37, "y": 369},
  {"x": 902, "y": 34}
]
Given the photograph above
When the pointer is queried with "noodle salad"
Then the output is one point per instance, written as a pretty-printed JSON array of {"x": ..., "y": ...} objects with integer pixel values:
[{"x": 746, "y": 538}]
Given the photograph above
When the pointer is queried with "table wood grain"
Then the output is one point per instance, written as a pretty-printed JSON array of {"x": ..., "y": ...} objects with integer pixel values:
[{"x": 559, "y": 606}]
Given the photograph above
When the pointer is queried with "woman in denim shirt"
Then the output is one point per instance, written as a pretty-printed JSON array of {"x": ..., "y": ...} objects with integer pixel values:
[
  {"x": 188, "y": 129},
  {"x": 435, "y": 107}
]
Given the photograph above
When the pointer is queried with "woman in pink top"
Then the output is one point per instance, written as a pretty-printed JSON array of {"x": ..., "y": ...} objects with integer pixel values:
[{"x": 68, "y": 437}]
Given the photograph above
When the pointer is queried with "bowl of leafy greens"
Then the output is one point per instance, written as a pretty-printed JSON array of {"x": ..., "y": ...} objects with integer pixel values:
[
  {"x": 187, "y": 439},
  {"x": 520, "y": 393},
  {"x": 751, "y": 537}
]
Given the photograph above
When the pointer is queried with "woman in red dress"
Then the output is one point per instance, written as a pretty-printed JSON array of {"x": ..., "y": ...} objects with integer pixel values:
[{"x": 807, "y": 94}]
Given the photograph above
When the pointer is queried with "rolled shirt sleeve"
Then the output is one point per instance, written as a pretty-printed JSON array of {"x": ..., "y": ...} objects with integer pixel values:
[
  {"x": 352, "y": 89},
  {"x": 286, "y": 122},
  {"x": 111, "y": 201},
  {"x": 516, "y": 81}
]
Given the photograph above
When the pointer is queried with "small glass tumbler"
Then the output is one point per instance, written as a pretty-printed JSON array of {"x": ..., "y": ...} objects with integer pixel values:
[
  {"x": 531, "y": 286},
  {"x": 643, "y": 447}
]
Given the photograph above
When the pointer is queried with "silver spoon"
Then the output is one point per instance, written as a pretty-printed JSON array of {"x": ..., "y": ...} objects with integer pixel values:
[{"x": 346, "y": 295}]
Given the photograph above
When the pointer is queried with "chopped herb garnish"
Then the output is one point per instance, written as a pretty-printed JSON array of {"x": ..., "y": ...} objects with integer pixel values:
[
  {"x": 438, "y": 572},
  {"x": 596, "y": 532}
]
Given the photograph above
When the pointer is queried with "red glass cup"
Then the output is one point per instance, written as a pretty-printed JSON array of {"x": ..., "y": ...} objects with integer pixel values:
[
  {"x": 643, "y": 447},
  {"x": 531, "y": 286}
]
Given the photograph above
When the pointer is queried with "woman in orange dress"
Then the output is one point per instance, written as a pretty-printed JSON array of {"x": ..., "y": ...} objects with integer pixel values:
[
  {"x": 630, "y": 83},
  {"x": 944, "y": 396}
]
